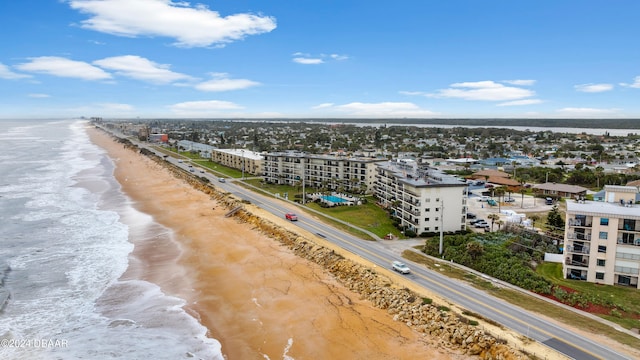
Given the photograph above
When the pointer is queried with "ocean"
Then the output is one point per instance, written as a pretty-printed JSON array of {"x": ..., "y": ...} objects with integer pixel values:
[{"x": 67, "y": 231}]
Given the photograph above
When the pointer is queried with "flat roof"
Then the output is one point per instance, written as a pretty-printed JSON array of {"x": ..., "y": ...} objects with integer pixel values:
[{"x": 601, "y": 208}]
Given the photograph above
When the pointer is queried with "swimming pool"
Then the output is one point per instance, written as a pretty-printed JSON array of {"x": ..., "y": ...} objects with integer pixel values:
[{"x": 333, "y": 199}]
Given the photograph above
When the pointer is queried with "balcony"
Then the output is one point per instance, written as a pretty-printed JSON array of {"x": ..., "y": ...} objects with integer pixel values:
[
  {"x": 580, "y": 222},
  {"x": 579, "y": 236},
  {"x": 579, "y": 249},
  {"x": 628, "y": 241},
  {"x": 577, "y": 260}
]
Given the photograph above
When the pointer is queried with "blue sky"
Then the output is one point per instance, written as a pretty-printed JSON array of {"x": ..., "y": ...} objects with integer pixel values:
[{"x": 312, "y": 58}]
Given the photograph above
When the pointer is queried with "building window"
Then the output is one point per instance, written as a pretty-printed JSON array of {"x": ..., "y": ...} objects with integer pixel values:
[
  {"x": 602, "y": 249},
  {"x": 436, "y": 229},
  {"x": 604, "y": 221},
  {"x": 426, "y": 219},
  {"x": 599, "y": 276},
  {"x": 603, "y": 235},
  {"x": 601, "y": 262}
]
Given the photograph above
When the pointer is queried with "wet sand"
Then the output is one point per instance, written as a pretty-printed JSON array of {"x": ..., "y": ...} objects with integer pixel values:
[{"x": 255, "y": 296}]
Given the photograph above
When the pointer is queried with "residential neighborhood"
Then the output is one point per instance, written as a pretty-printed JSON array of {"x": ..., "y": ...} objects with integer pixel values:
[{"x": 434, "y": 180}]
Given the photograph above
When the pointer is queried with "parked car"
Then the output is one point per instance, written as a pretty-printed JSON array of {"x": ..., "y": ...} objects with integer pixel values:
[
  {"x": 484, "y": 198},
  {"x": 488, "y": 186},
  {"x": 400, "y": 267},
  {"x": 291, "y": 217},
  {"x": 471, "y": 215},
  {"x": 472, "y": 222},
  {"x": 222, "y": 180},
  {"x": 548, "y": 201},
  {"x": 481, "y": 224},
  {"x": 509, "y": 199}
]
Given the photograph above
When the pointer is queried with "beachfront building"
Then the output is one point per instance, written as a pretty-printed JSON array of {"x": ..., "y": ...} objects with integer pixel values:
[
  {"x": 424, "y": 199},
  {"x": 328, "y": 172},
  {"x": 602, "y": 238},
  {"x": 203, "y": 150},
  {"x": 249, "y": 162}
]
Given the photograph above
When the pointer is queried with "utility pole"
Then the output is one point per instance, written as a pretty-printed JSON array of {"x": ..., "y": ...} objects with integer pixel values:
[
  {"x": 441, "y": 248},
  {"x": 242, "y": 152},
  {"x": 304, "y": 173}
]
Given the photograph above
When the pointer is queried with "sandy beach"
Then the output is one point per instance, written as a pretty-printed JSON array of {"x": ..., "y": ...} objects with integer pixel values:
[{"x": 254, "y": 295}]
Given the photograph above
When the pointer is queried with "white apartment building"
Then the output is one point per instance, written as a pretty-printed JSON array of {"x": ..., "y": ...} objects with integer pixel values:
[
  {"x": 602, "y": 238},
  {"x": 423, "y": 199},
  {"x": 249, "y": 162},
  {"x": 336, "y": 173}
]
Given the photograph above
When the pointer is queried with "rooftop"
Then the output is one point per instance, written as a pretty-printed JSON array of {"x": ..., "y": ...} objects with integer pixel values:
[
  {"x": 598, "y": 208},
  {"x": 407, "y": 171}
]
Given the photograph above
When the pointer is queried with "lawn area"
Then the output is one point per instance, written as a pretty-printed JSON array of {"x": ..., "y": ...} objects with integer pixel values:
[
  {"x": 625, "y": 301},
  {"x": 367, "y": 216}
]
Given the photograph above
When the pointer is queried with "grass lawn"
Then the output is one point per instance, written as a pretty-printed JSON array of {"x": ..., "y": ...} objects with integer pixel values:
[
  {"x": 367, "y": 216},
  {"x": 626, "y": 299}
]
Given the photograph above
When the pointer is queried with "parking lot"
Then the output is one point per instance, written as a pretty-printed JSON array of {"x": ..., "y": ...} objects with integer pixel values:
[{"x": 478, "y": 205}]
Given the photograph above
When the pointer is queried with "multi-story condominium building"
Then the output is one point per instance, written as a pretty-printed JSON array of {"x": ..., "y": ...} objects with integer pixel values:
[
  {"x": 422, "y": 198},
  {"x": 602, "y": 238},
  {"x": 336, "y": 173},
  {"x": 249, "y": 162}
]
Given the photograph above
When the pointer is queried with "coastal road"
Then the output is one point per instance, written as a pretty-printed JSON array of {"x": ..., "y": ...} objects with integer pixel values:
[{"x": 554, "y": 336}]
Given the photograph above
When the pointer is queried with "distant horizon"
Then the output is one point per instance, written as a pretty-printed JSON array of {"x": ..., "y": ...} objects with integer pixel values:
[{"x": 455, "y": 59}]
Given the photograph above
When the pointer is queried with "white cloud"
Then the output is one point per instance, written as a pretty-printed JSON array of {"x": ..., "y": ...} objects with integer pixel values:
[
  {"x": 586, "y": 112},
  {"x": 413, "y": 93},
  {"x": 521, "y": 82},
  {"x": 338, "y": 57},
  {"x": 201, "y": 108},
  {"x": 382, "y": 109},
  {"x": 6, "y": 73},
  {"x": 195, "y": 26},
  {"x": 521, "y": 102},
  {"x": 323, "y": 106},
  {"x": 593, "y": 88},
  {"x": 63, "y": 67},
  {"x": 221, "y": 82},
  {"x": 635, "y": 84},
  {"x": 116, "y": 107},
  {"x": 307, "y": 61},
  {"x": 39, "y": 96},
  {"x": 139, "y": 68},
  {"x": 483, "y": 90}
]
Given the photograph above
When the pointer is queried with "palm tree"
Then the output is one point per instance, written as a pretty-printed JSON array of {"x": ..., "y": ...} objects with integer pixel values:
[
  {"x": 499, "y": 192},
  {"x": 475, "y": 249},
  {"x": 534, "y": 218},
  {"x": 493, "y": 218},
  {"x": 500, "y": 223}
]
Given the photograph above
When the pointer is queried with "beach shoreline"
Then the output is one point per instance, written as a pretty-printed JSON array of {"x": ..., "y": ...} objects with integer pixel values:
[{"x": 255, "y": 296}]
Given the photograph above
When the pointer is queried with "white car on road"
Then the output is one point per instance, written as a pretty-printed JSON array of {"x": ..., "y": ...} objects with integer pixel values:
[{"x": 400, "y": 267}]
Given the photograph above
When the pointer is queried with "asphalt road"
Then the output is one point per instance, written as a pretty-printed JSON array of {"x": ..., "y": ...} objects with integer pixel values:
[{"x": 515, "y": 318}]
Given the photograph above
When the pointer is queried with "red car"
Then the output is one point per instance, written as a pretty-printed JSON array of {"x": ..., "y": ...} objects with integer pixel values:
[{"x": 291, "y": 217}]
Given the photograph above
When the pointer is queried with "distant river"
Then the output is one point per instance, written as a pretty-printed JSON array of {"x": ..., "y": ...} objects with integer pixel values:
[{"x": 612, "y": 132}]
